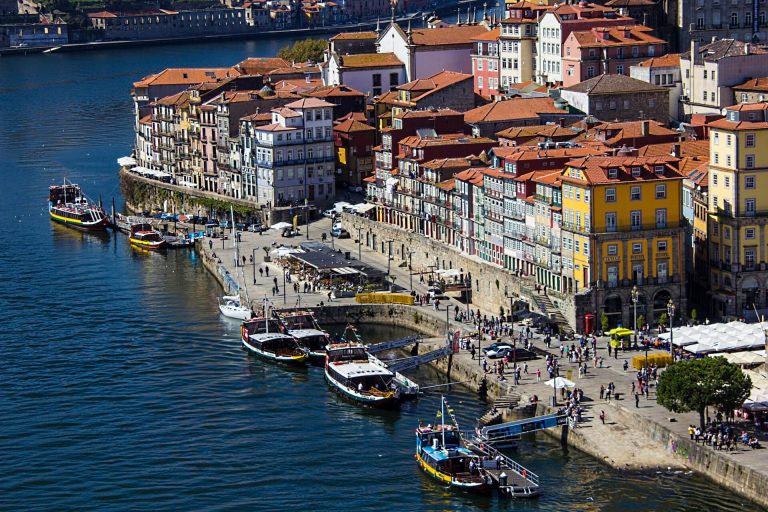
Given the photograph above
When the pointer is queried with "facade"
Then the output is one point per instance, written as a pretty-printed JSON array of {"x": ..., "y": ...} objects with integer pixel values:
[
  {"x": 485, "y": 64},
  {"x": 622, "y": 227},
  {"x": 33, "y": 34},
  {"x": 607, "y": 50},
  {"x": 162, "y": 23},
  {"x": 294, "y": 154},
  {"x": 737, "y": 211},
  {"x": 488, "y": 119},
  {"x": 555, "y": 27},
  {"x": 353, "y": 141},
  {"x": 370, "y": 73},
  {"x": 618, "y": 97},
  {"x": 702, "y": 21},
  {"x": 665, "y": 72},
  {"x": 517, "y": 42},
  {"x": 710, "y": 72},
  {"x": 753, "y": 90}
]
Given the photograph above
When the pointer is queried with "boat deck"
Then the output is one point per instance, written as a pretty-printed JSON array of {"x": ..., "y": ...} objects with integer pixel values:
[{"x": 517, "y": 485}]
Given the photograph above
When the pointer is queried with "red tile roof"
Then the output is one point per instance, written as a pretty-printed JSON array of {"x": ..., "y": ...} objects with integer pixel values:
[
  {"x": 753, "y": 84},
  {"x": 595, "y": 169},
  {"x": 186, "y": 76},
  {"x": 351, "y": 125},
  {"x": 667, "y": 61},
  {"x": 347, "y": 36},
  {"x": 445, "y": 36},
  {"x": 515, "y": 108},
  {"x": 600, "y": 37},
  {"x": 310, "y": 103},
  {"x": 370, "y": 60}
]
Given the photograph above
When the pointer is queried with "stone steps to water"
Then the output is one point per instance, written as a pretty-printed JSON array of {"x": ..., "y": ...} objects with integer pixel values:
[{"x": 508, "y": 401}]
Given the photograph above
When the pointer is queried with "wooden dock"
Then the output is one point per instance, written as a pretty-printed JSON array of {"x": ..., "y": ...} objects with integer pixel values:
[{"x": 510, "y": 478}]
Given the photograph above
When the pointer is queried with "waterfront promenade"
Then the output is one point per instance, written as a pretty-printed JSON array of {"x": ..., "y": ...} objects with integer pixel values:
[{"x": 633, "y": 438}]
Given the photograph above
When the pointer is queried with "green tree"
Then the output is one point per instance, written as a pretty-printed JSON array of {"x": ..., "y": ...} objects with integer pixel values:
[
  {"x": 695, "y": 384},
  {"x": 694, "y": 316},
  {"x": 304, "y": 50},
  {"x": 604, "y": 321},
  {"x": 663, "y": 319},
  {"x": 640, "y": 321}
]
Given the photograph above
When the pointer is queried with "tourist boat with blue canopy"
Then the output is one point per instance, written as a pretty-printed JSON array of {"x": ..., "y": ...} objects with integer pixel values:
[
  {"x": 68, "y": 206},
  {"x": 443, "y": 455},
  {"x": 354, "y": 374}
]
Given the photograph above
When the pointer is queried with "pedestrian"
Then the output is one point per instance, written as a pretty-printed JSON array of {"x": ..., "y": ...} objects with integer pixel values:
[
  {"x": 261, "y": 272},
  {"x": 637, "y": 400},
  {"x": 538, "y": 375},
  {"x": 244, "y": 259},
  {"x": 210, "y": 244},
  {"x": 330, "y": 298},
  {"x": 266, "y": 271},
  {"x": 274, "y": 291},
  {"x": 602, "y": 417},
  {"x": 472, "y": 352},
  {"x": 602, "y": 391}
]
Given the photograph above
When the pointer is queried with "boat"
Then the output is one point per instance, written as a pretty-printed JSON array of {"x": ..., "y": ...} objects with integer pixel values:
[
  {"x": 443, "y": 455},
  {"x": 262, "y": 336},
  {"x": 144, "y": 236},
  {"x": 68, "y": 206},
  {"x": 232, "y": 307},
  {"x": 352, "y": 372},
  {"x": 303, "y": 326},
  {"x": 275, "y": 346}
]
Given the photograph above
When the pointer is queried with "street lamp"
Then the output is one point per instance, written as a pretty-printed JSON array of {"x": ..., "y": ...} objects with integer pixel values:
[
  {"x": 410, "y": 269},
  {"x": 284, "y": 298},
  {"x": 671, "y": 315},
  {"x": 359, "y": 244},
  {"x": 389, "y": 255},
  {"x": 635, "y": 296},
  {"x": 253, "y": 259}
]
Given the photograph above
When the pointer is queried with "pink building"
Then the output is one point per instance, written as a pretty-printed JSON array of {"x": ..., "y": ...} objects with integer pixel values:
[
  {"x": 485, "y": 63},
  {"x": 607, "y": 50}
]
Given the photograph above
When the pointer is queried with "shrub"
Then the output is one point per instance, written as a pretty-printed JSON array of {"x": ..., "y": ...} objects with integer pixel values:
[{"x": 661, "y": 360}]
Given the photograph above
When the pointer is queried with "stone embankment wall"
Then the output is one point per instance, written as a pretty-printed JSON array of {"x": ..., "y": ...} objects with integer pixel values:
[{"x": 492, "y": 287}]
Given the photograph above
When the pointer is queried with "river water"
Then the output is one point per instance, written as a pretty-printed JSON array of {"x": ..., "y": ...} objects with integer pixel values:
[{"x": 122, "y": 388}]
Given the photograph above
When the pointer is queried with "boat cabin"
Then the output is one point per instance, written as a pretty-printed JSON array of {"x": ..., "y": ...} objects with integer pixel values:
[
  {"x": 298, "y": 319},
  {"x": 346, "y": 352},
  {"x": 312, "y": 339},
  {"x": 64, "y": 194},
  {"x": 147, "y": 236},
  {"x": 281, "y": 345},
  {"x": 259, "y": 326}
]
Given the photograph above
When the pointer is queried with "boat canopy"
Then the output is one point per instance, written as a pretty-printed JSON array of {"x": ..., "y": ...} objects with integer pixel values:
[{"x": 357, "y": 370}]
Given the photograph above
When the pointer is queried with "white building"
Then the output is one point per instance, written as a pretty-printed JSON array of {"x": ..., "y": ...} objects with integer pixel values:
[
  {"x": 663, "y": 71},
  {"x": 292, "y": 156},
  {"x": 370, "y": 73}
]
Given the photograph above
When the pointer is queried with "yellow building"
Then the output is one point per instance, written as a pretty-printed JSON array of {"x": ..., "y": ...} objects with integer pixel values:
[
  {"x": 623, "y": 227},
  {"x": 738, "y": 170}
]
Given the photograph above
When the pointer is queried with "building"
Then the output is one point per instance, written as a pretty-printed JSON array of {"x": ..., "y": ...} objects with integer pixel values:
[
  {"x": 163, "y": 23},
  {"x": 701, "y": 21},
  {"x": 538, "y": 134},
  {"x": 665, "y": 72},
  {"x": 489, "y": 119},
  {"x": 517, "y": 42},
  {"x": 371, "y": 73},
  {"x": 346, "y": 99},
  {"x": 751, "y": 91},
  {"x": 294, "y": 155},
  {"x": 347, "y": 43},
  {"x": 633, "y": 134},
  {"x": 623, "y": 227},
  {"x": 427, "y": 51},
  {"x": 618, "y": 98},
  {"x": 737, "y": 211},
  {"x": 446, "y": 89},
  {"x": 485, "y": 63},
  {"x": 557, "y": 24},
  {"x": 607, "y": 50},
  {"x": 33, "y": 34},
  {"x": 709, "y": 78},
  {"x": 353, "y": 141},
  {"x": 647, "y": 12}
]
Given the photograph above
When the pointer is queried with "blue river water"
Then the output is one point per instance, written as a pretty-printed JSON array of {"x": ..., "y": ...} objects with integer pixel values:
[{"x": 123, "y": 389}]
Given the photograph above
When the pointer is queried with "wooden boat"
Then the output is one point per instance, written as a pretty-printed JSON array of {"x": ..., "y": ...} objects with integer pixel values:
[
  {"x": 67, "y": 205},
  {"x": 442, "y": 454},
  {"x": 303, "y": 326},
  {"x": 232, "y": 307},
  {"x": 350, "y": 371},
  {"x": 145, "y": 237},
  {"x": 262, "y": 336}
]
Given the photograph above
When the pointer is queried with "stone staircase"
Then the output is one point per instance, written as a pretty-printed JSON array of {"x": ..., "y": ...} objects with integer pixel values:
[
  {"x": 494, "y": 415},
  {"x": 549, "y": 309}
]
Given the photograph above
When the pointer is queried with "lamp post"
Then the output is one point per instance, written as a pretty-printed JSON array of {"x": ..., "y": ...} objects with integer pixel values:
[
  {"x": 284, "y": 298},
  {"x": 359, "y": 244},
  {"x": 671, "y": 314},
  {"x": 389, "y": 256},
  {"x": 479, "y": 342},
  {"x": 467, "y": 291},
  {"x": 635, "y": 296},
  {"x": 410, "y": 270},
  {"x": 253, "y": 259}
]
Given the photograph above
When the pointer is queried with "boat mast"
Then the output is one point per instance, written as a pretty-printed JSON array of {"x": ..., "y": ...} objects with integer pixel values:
[
  {"x": 266, "y": 315},
  {"x": 442, "y": 417}
]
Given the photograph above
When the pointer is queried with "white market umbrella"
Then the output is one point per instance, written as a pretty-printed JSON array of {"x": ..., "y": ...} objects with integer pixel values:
[
  {"x": 281, "y": 225},
  {"x": 560, "y": 383}
]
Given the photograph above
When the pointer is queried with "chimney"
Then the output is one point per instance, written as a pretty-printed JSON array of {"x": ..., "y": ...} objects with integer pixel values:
[
  {"x": 561, "y": 122},
  {"x": 645, "y": 128},
  {"x": 676, "y": 152}
]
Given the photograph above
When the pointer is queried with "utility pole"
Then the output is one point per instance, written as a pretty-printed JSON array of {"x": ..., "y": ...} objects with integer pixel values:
[
  {"x": 410, "y": 269},
  {"x": 389, "y": 255},
  {"x": 359, "y": 244}
]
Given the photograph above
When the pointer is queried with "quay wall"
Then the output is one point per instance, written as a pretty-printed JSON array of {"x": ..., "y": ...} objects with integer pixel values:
[{"x": 493, "y": 288}]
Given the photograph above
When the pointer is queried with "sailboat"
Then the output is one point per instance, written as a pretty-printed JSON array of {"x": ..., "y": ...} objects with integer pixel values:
[{"x": 232, "y": 306}]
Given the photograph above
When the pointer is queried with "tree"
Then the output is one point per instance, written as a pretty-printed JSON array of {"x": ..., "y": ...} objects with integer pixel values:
[
  {"x": 604, "y": 321},
  {"x": 694, "y": 316},
  {"x": 304, "y": 50},
  {"x": 695, "y": 384},
  {"x": 640, "y": 321},
  {"x": 663, "y": 319}
]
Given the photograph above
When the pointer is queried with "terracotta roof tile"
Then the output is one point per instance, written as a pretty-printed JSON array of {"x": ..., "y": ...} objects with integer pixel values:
[
  {"x": 186, "y": 76},
  {"x": 351, "y": 125},
  {"x": 753, "y": 84},
  {"x": 491, "y": 35},
  {"x": 310, "y": 103},
  {"x": 725, "y": 48},
  {"x": 595, "y": 169},
  {"x": 370, "y": 60},
  {"x": 667, "y": 61},
  {"x": 515, "y": 108},
  {"x": 463, "y": 34},
  {"x": 347, "y": 36},
  {"x": 687, "y": 148},
  {"x": 600, "y": 37},
  {"x": 261, "y": 65}
]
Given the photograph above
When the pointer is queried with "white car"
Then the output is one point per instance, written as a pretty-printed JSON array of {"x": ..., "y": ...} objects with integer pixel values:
[
  {"x": 492, "y": 354},
  {"x": 435, "y": 292}
]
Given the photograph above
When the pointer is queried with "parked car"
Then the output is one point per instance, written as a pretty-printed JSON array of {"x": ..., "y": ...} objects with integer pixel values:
[
  {"x": 241, "y": 226},
  {"x": 340, "y": 232},
  {"x": 513, "y": 354},
  {"x": 496, "y": 346},
  {"x": 493, "y": 352},
  {"x": 435, "y": 292},
  {"x": 329, "y": 213},
  {"x": 225, "y": 224},
  {"x": 256, "y": 228}
]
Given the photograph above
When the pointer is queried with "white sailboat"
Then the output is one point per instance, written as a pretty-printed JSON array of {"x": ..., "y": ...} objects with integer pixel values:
[{"x": 232, "y": 306}]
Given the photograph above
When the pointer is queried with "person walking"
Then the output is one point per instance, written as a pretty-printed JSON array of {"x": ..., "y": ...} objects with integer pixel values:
[
  {"x": 637, "y": 400},
  {"x": 602, "y": 391},
  {"x": 261, "y": 272},
  {"x": 602, "y": 417},
  {"x": 538, "y": 374}
]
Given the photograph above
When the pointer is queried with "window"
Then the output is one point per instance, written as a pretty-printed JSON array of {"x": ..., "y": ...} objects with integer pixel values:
[
  {"x": 662, "y": 272},
  {"x": 479, "y": 64},
  {"x": 749, "y": 206},
  {"x": 394, "y": 79},
  {"x": 636, "y": 171},
  {"x": 659, "y": 169},
  {"x": 661, "y": 191},
  {"x": 620, "y": 69},
  {"x": 376, "y": 79},
  {"x": 727, "y": 182},
  {"x": 613, "y": 173},
  {"x": 610, "y": 195},
  {"x": 479, "y": 82},
  {"x": 728, "y": 140},
  {"x": 705, "y": 74},
  {"x": 590, "y": 71},
  {"x": 728, "y": 160},
  {"x": 749, "y": 233},
  {"x": 749, "y": 141},
  {"x": 749, "y": 182},
  {"x": 727, "y": 233},
  {"x": 634, "y": 193},
  {"x": 637, "y": 248},
  {"x": 610, "y": 222},
  {"x": 612, "y": 105},
  {"x": 750, "y": 161},
  {"x": 613, "y": 249},
  {"x": 661, "y": 246},
  {"x": 661, "y": 218},
  {"x": 636, "y": 220},
  {"x": 717, "y": 157}
]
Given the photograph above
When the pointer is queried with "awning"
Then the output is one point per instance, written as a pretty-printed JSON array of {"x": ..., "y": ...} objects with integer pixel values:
[
  {"x": 126, "y": 161},
  {"x": 365, "y": 208},
  {"x": 344, "y": 271},
  {"x": 391, "y": 182}
]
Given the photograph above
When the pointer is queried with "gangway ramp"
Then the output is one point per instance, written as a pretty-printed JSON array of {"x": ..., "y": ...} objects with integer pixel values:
[
  {"x": 503, "y": 431},
  {"x": 390, "y": 345},
  {"x": 408, "y": 363}
]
